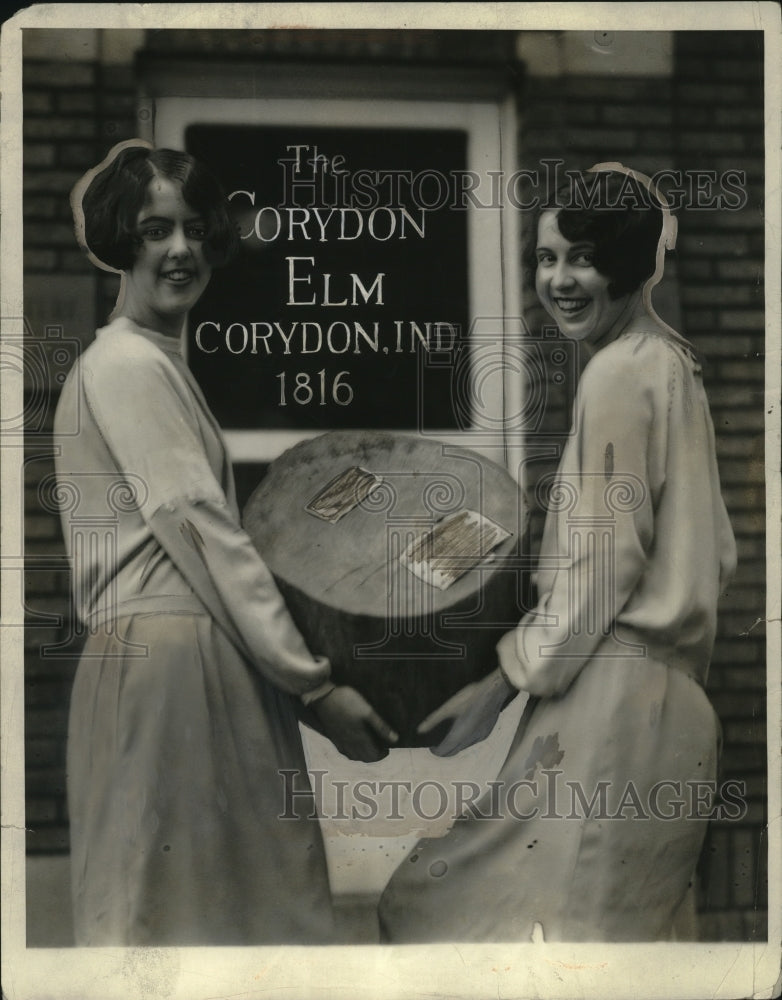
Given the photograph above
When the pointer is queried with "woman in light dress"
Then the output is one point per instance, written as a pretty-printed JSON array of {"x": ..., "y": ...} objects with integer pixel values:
[
  {"x": 604, "y": 796},
  {"x": 183, "y": 712}
]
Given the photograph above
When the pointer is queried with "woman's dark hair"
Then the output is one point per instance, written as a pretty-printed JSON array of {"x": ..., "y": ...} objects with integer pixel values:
[
  {"x": 116, "y": 195},
  {"x": 616, "y": 213}
]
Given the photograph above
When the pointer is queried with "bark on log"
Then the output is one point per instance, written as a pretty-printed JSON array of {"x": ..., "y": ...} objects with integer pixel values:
[{"x": 406, "y": 645}]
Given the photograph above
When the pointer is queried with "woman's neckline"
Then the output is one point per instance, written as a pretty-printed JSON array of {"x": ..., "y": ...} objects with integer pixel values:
[{"x": 171, "y": 345}]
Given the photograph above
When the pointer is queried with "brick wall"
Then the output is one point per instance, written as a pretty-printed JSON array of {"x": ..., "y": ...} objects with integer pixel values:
[
  {"x": 707, "y": 115},
  {"x": 718, "y": 99},
  {"x": 73, "y": 113}
]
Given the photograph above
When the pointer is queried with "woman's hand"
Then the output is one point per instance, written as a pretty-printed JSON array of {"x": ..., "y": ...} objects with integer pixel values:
[
  {"x": 352, "y": 725},
  {"x": 474, "y": 711}
]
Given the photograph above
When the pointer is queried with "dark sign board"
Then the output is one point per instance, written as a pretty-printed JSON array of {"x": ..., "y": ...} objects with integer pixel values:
[{"x": 348, "y": 304}]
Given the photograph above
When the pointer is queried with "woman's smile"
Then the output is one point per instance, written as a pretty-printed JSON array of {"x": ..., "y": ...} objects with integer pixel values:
[
  {"x": 571, "y": 307},
  {"x": 571, "y": 289},
  {"x": 179, "y": 275}
]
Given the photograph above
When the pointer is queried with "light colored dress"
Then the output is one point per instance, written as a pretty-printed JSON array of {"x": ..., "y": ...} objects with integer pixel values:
[
  {"x": 596, "y": 823},
  {"x": 181, "y": 714}
]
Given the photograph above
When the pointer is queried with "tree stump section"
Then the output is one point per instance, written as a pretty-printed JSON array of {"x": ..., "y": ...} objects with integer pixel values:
[{"x": 406, "y": 645}]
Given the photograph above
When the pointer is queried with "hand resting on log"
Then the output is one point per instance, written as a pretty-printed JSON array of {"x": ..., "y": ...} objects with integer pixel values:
[
  {"x": 473, "y": 712},
  {"x": 352, "y": 725}
]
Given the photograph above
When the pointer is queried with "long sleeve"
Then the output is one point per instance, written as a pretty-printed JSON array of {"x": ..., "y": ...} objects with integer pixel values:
[
  {"x": 600, "y": 523},
  {"x": 149, "y": 421}
]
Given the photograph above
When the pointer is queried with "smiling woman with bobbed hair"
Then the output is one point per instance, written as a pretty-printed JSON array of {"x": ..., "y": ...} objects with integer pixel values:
[
  {"x": 183, "y": 710},
  {"x": 594, "y": 826},
  {"x": 620, "y": 218}
]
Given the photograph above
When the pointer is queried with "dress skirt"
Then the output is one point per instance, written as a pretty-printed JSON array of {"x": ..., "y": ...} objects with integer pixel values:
[
  {"x": 593, "y": 828},
  {"x": 175, "y": 749}
]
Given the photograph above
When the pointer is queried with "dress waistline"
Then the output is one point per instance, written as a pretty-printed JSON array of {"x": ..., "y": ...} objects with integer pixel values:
[
  {"x": 166, "y": 604},
  {"x": 630, "y": 643}
]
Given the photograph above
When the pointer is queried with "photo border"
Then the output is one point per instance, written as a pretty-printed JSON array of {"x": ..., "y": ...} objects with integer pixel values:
[{"x": 456, "y": 970}]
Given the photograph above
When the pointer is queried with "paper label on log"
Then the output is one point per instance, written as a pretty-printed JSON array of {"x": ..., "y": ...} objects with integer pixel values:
[
  {"x": 453, "y": 547},
  {"x": 342, "y": 494}
]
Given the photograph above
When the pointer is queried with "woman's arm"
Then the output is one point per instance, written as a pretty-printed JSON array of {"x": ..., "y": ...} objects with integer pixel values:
[
  {"x": 145, "y": 418},
  {"x": 599, "y": 530},
  {"x": 600, "y": 523}
]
